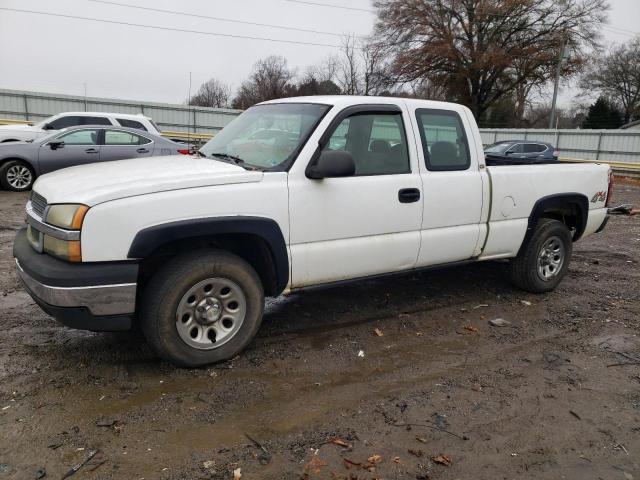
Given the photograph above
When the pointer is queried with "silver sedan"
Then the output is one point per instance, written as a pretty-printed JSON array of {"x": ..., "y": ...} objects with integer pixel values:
[{"x": 22, "y": 162}]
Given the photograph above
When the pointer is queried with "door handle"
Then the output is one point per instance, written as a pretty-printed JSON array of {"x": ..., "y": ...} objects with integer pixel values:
[
  {"x": 91, "y": 150},
  {"x": 142, "y": 150},
  {"x": 409, "y": 195}
]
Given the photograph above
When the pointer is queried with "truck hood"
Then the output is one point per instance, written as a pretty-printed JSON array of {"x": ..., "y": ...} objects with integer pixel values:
[{"x": 102, "y": 182}]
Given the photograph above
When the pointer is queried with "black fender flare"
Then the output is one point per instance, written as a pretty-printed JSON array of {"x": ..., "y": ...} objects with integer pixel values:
[
  {"x": 558, "y": 201},
  {"x": 152, "y": 238}
]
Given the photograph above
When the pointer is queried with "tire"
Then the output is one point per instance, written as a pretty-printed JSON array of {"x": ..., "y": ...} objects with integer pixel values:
[
  {"x": 16, "y": 176},
  {"x": 544, "y": 260},
  {"x": 213, "y": 294}
]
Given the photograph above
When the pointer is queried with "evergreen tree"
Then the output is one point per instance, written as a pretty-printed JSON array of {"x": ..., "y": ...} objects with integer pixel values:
[{"x": 603, "y": 115}]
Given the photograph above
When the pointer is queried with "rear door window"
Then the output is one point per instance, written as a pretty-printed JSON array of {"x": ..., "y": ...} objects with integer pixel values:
[
  {"x": 118, "y": 137},
  {"x": 444, "y": 140},
  {"x": 131, "y": 124},
  {"x": 95, "y": 121},
  {"x": 534, "y": 148}
]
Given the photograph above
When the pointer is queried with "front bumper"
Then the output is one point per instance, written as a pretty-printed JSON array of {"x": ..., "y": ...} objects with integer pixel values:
[{"x": 87, "y": 296}]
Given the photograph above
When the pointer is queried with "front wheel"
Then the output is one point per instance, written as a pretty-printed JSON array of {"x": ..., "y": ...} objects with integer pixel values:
[
  {"x": 544, "y": 261},
  {"x": 202, "y": 308},
  {"x": 16, "y": 176}
]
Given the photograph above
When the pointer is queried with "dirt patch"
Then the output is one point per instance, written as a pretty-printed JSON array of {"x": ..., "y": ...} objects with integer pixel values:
[{"x": 396, "y": 378}]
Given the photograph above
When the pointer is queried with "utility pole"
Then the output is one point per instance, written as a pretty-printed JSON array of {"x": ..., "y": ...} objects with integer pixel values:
[
  {"x": 188, "y": 105},
  {"x": 556, "y": 85}
]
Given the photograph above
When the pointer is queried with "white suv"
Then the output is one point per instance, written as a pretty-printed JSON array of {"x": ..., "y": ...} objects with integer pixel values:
[{"x": 21, "y": 133}]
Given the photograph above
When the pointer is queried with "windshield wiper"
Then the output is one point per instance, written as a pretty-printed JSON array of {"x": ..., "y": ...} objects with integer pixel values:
[{"x": 235, "y": 160}]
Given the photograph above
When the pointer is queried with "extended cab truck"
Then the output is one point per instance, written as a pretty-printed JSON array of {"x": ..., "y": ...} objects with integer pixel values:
[{"x": 292, "y": 193}]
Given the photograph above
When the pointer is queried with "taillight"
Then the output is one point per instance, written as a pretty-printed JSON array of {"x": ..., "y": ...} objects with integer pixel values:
[
  {"x": 610, "y": 189},
  {"x": 184, "y": 151}
]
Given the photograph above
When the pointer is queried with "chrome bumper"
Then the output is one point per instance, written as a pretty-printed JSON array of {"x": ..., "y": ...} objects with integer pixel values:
[{"x": 100, "y": 300}]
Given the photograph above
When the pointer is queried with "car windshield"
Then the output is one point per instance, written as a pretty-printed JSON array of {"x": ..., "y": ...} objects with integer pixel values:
[
  {"x": 498, "y": 147},
  {"x": 267, "y": 137}
]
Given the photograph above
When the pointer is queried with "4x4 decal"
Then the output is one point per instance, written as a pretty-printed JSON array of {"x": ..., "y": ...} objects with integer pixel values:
[{"x": 599, "y": 197}]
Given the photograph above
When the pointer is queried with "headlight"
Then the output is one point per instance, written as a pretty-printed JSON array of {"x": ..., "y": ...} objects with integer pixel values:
[
  {"x": 67, "y": 216},
  {"x": 68, "y": 250}
]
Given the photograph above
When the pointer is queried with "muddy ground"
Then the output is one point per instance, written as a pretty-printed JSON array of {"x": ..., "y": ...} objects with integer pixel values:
[{"x": 555, "y": 395}]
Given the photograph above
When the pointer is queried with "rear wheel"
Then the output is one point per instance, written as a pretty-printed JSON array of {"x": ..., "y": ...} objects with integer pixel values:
[
  {"x": 544, "y": 261},
  {"x": 17, "y": 176},
  {"x": 202, "y": 308}
]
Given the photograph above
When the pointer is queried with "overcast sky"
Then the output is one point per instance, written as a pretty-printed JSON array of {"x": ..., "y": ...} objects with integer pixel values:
[{"x": 59, "y": 55}]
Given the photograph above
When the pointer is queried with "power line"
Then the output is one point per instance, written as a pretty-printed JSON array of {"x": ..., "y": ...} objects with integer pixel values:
[
  {"x": 170, "y": 29},
  {"x": 330, "y": 5},
  {"x": 220, "y": 19}
]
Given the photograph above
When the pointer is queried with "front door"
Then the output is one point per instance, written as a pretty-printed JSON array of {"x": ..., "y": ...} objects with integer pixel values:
[
  {"x": 80, "y": 147},
  {"x": 364, "y": 224}
]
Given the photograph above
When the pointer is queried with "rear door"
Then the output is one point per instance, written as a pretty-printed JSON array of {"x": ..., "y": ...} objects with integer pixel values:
[
  {"x": 80, "y": 147},
  {"x": 452, "y": 185},
  {"x": 121, "y": 144},
  {"x": 534, "y": 151}
]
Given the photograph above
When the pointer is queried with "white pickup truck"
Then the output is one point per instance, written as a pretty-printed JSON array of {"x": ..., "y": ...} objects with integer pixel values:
[{"x": 293, "y": 193}]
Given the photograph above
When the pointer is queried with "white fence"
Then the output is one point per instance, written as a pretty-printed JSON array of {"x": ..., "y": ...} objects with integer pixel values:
[
  {"x": 34, "y": 106},
  {"x": 621, "y": 146}
]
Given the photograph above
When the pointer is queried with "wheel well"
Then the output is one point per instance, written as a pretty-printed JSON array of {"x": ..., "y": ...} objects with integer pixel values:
[
  {"x": 570, "y": 209},
  {"x": 569, "y": 214},
  {"x": 4, "y": 161},
  {"x": 252, "y": 248}
]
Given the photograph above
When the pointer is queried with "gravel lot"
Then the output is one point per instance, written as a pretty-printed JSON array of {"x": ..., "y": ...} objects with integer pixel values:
[{"x": 438, "y": 394}]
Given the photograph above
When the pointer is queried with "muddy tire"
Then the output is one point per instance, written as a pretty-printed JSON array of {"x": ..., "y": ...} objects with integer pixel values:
[
  {"x": 544, "y": 260},
  {"x": 16, "y": 176},
  {"x": 202, "y": 308}
]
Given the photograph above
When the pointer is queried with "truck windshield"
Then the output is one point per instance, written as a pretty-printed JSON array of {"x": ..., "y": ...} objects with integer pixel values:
[{"x": 266, "y": 136}]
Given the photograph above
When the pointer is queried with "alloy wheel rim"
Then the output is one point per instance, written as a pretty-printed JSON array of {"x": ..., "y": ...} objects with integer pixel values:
[
  {"x": 211, "y": 313},
  {"x": 551, "y": 258},
  {"x": 19, "y": 176}
]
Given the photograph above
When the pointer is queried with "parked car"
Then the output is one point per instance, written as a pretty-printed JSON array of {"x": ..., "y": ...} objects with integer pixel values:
[
  {"x": 22, "y": 162},
  {"x": 17, "y": 133},
  {"x": 520, "y": 151},
  {"x": 187, "y": 249}
]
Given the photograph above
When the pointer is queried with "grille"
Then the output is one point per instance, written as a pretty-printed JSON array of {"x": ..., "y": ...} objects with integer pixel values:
[{"x": 38, "y": 203}]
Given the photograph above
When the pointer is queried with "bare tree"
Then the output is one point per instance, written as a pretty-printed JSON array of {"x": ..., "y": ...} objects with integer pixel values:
[
  {"x": 362, "y": 67},
  {"x": 348, "y": 68},
  {"x": 271, "y": 78},
  {"x": 617, "y": 76},
  {"x": 212, "y": 93},
  {"x": 472, "y": 47}
]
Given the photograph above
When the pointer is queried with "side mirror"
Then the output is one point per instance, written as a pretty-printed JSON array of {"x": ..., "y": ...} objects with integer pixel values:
[
  {"x": 332, "y": 164},
  {"x": 47, "y": 126},
  {"x": 55, "y": 144}
]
